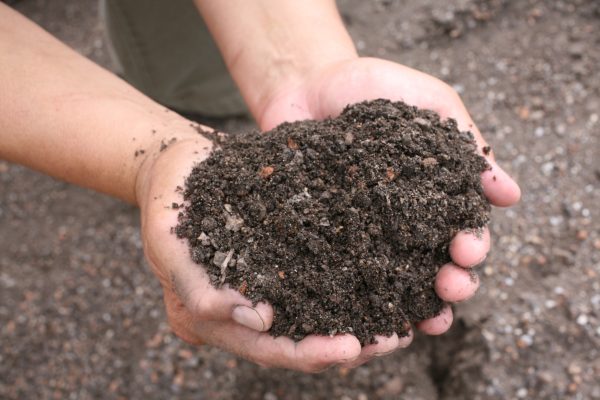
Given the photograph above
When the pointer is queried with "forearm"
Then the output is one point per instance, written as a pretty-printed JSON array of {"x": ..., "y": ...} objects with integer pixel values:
[
  {"x": 272, "y": 45},
  {"x": 65, "y": 116}
]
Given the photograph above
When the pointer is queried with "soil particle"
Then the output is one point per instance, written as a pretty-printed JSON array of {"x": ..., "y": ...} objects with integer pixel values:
[
  {"x": 345, "y": 224},
  {"x": 163, "y": 145}
]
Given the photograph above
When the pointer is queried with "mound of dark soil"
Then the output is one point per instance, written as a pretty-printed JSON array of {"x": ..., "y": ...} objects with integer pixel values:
[{"x": 340, "y": 224}]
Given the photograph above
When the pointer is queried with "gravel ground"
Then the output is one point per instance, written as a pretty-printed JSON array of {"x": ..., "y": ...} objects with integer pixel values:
[{"x": 81, "y": 316}]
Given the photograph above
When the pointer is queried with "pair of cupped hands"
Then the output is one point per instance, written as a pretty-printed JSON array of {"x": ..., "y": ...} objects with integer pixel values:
[{"x": 201, "y": 314}]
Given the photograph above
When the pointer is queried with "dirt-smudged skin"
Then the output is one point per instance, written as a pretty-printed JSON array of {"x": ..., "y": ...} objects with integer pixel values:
[{"x": 341, "y": 224}]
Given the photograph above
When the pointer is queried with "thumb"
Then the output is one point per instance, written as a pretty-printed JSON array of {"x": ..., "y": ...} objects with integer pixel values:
[{"x": 207, "y": 303}]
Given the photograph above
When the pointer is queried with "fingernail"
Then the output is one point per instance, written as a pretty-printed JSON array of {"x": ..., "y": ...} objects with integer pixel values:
[{"x": 248, "y": 317}]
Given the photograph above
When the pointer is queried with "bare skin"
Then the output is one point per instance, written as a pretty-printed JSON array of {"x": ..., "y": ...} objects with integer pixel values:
[{"x": 65, "y": 116}]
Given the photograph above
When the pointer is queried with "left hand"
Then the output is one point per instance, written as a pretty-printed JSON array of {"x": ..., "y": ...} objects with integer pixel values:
[{"x": 327, "y": 91}]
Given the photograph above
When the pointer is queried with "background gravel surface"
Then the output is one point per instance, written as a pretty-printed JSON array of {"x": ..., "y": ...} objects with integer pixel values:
[{"x": 81, "y": 315}]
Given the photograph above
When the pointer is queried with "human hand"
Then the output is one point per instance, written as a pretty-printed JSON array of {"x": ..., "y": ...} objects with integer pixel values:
[
  {"x": 198, "y": 312},
  {"x": 326, "y": 91}
]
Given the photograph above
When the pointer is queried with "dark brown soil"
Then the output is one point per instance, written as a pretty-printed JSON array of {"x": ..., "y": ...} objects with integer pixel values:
[{"x": 340, "y": 224}]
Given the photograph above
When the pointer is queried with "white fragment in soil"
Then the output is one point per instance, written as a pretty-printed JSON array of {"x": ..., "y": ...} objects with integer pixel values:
[
  {"x": 348, "y": 138},
  {"x": 297, "y": 198},
  {"x": 241, "y": 263},
  {"x": 509, "y": 281},
  {"x": 522, "y": 393},
  {"x": 559, "y": 290},
  {"x": 233, "y": 223},
  {"x": 324, "y": 222},
  {"x": 422, "y": 122},
  {"x": 204, "y": 239},
  {"x": 582, "y": 320},
  {"x": 218, "y": 258},
  {"x": 224, "y": 265}
]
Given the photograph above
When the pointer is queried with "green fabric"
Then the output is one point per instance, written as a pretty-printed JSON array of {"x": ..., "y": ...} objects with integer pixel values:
[{"x": 164, "y": 49}]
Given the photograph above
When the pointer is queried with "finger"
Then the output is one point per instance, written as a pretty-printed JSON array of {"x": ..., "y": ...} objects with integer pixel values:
[
  {"x": 384, "y": 346},
  {"x": 437, "y": 325},
  {"x": 208, "y": 303},
  {"x": 454, "y": 284},
  {"x": 311, "y": 354},
  {"x": 321, "y": 352},
  {"x": 499, "y": 188},
  {"x": 469, "y": 248},
  {"x": 258, "y": 318}
]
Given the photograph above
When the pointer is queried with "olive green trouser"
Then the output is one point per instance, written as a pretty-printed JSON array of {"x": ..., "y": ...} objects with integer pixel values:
[{"x": 163, "y": 48}]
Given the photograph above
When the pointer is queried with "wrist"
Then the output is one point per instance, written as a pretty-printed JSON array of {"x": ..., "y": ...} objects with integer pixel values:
[
  {"x": 166, "y": 159},
  {"x": 286, "y": 73}
]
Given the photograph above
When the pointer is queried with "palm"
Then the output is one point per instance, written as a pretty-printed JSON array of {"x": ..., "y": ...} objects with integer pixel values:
[{"x": 327, "y": 93}]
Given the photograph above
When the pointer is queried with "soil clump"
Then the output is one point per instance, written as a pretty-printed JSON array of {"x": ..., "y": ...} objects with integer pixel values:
[{"x": 340, "y": 224}]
